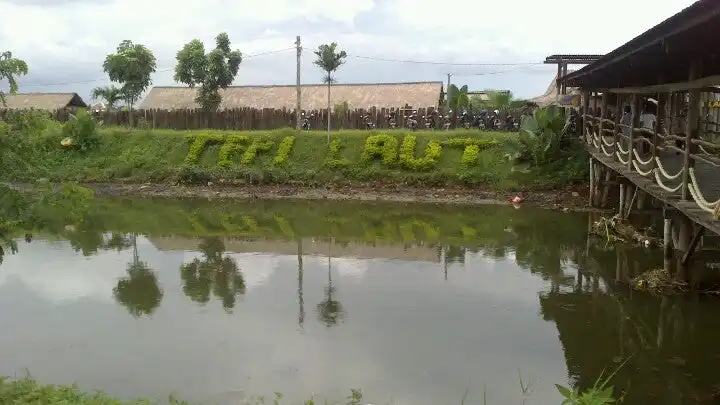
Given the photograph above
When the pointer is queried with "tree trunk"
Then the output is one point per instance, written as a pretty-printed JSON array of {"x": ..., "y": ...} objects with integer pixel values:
[{"x": 329, "y": 112}]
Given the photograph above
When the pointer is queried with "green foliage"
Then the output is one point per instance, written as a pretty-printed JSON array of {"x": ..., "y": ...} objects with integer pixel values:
[
  {"x": 407, "y": 154},
  {"x": 543, "y": 136},
  {"x": 601, "y": 393},
  {"x": 10, "y": 69},
  {"x": 211, "y": 72},
  {"x": 329, "y": 60},
  {"x": 200, "y": 142},
  {"x": 258, "y": 144},
  {"x": 82, "y": 129},
  {"x": 231, "y": 147},
  {"x": 200, "y": 157},
  {"x": 284, "y": 150},
  {"x": 333, "y": 159},
  {"x": 132, "y": 66},
  {"x": 384, "y": 147},
  {"x": 111, "y": 94},
  {"x": 458, "y": 97}
]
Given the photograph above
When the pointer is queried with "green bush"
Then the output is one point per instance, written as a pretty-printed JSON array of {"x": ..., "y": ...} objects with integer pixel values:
[{"x": 81, "y": 128}]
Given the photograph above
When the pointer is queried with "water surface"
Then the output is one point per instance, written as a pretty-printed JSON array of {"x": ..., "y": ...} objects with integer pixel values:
[{"x": 412, "y": 304}]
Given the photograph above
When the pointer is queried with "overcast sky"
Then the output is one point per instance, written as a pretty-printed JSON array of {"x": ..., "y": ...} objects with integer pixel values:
[{"x": 65, "y": 41}]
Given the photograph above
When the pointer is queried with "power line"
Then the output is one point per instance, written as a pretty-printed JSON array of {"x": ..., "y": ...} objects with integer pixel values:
[
  {"x": 425, "y": 62},
  {"x": 496, "y": 72},
  {"x": 157, "y": 71}
]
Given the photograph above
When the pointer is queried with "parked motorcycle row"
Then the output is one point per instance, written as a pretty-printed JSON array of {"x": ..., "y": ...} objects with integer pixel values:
[{"x": 488, "y": 120}]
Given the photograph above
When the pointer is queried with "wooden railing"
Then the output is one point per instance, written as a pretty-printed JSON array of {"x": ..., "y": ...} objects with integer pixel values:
[{"x": 642, "y": 150}]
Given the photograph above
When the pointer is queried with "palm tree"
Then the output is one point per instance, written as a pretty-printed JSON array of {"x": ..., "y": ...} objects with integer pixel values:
[
  {"x": 330, "y": 311},
  {"x": 214, "y": 274},
  {"x": 110, "y": 94},
  {"x": 139, "y": 292},
  {"x": 329, "y": 60}
]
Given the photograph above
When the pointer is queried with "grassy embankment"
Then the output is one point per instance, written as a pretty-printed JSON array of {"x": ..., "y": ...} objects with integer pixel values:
[{"x": 462, "y": 157}]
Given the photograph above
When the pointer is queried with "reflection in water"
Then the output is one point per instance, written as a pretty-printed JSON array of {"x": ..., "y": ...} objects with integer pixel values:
[
  {"x": 139, "y": 292},
  {"x": 330, "y": 311},
  {"x": 215, "y": 273},
  {"x": 438, "y": 297}
]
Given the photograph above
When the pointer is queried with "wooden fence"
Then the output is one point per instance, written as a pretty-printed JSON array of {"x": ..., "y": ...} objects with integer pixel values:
[{"x": 248, "y": 118}]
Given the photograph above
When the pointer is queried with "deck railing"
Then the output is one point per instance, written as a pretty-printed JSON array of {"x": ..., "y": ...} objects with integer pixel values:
[{"x": 642, "y": 150}]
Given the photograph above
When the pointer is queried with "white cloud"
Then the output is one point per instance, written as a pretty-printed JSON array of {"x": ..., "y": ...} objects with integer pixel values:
[{"x": 69, "y": 40}]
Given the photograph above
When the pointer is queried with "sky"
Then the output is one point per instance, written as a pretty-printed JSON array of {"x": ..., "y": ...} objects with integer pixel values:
[{"x": 500, "y": 43}]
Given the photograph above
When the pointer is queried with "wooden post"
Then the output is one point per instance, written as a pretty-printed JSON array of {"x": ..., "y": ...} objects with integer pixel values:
[
  {"x": 559, "y": 76},
  {"x": 693, "y": 244},
  {"x": 592, "y": 182},
  {"x": 635, "y": 124},
  {"x": 690, "y": 128},
  {"x": 621, "y": 208},
  {"x": 618, "y": 115},
  {"x": 667, "y": 239},
  {"x": 586, "y": 107}
]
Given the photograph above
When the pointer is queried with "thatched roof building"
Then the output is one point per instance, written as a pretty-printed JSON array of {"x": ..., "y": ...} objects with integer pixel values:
[
  {"x": 43, "y": 101},
  {"x": 551, "y": 94},
  {"x": 314, "y": 96}
]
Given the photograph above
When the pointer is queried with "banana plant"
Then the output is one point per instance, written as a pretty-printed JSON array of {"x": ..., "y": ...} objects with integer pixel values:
[{"x": 542, "y": 135}]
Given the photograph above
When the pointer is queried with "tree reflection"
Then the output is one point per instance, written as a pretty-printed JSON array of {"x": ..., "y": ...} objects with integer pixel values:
[
  {"x": 139, "y": 292},
  {"x": 330, "y": 311},
  {"x": 213, "y": 275},
  {"x": 301, "y": 300}
]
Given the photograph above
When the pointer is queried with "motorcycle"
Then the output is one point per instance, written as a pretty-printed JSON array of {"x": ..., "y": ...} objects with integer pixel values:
[
  {"x": 369, "y": 124},
  {"x": 305, "y": 122},
  {"x": 412, "y": 121}
]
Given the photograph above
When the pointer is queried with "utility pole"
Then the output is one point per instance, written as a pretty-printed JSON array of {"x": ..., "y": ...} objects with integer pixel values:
[
  {"x": 298, "y": 89},
  {"x": 447, "y": 92}
]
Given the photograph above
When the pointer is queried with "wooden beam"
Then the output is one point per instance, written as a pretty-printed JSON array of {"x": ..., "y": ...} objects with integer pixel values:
[
  {"x": 697, "y": 84},
  {"x": 693, "y": 245}
]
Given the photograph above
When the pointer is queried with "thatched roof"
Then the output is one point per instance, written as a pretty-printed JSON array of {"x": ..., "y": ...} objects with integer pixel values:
[
  {"x": 314, "y": 96},
  {"x": 43, "y": 101}
]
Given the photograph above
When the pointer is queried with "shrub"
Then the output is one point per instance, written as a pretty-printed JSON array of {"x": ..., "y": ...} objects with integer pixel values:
[
  {"x": 542, "y": 137},
  {"x": 284, "y": 151},
  {"x": 260, "y": 144},
  {"x": 471, "y": 148},
  {"x": 198, "y": 145},
  {"x": 232, "y": 146},
  {"x": 407, "y": 154},
  {"x": 333, "y": 159},
  {"x": 81, "y": 130},
  {"x": 381, "y": 146}
]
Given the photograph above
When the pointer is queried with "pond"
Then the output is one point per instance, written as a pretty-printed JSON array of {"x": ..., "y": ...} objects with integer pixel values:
[{"x": 214, "y": 301}]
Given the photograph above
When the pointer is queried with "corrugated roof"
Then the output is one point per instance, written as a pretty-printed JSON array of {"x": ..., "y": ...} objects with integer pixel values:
[
  {"x": 42, "y": 101},
  {"x": 314, "y": 96}
]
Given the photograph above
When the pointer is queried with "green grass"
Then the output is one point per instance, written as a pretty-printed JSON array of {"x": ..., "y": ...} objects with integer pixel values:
[
  {"x": 158, "y": 156},
  {"x": 27, "y": 391}
]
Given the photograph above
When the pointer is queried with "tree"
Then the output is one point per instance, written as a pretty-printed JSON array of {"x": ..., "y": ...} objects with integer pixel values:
[
  {"x": 132, "y": 66},
  {"x": 10, "y": 68},
  {"x": 212, "y": 71},
  {"x": 329, "y": 60},
  {"x": 110, "y": 94},
  {"x": 139, "y": 292},
  {"x": 458, "y": 97}
]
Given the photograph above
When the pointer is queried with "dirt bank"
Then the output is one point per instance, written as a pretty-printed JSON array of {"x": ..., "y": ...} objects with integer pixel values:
[{"x": 573, "y": 197}]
